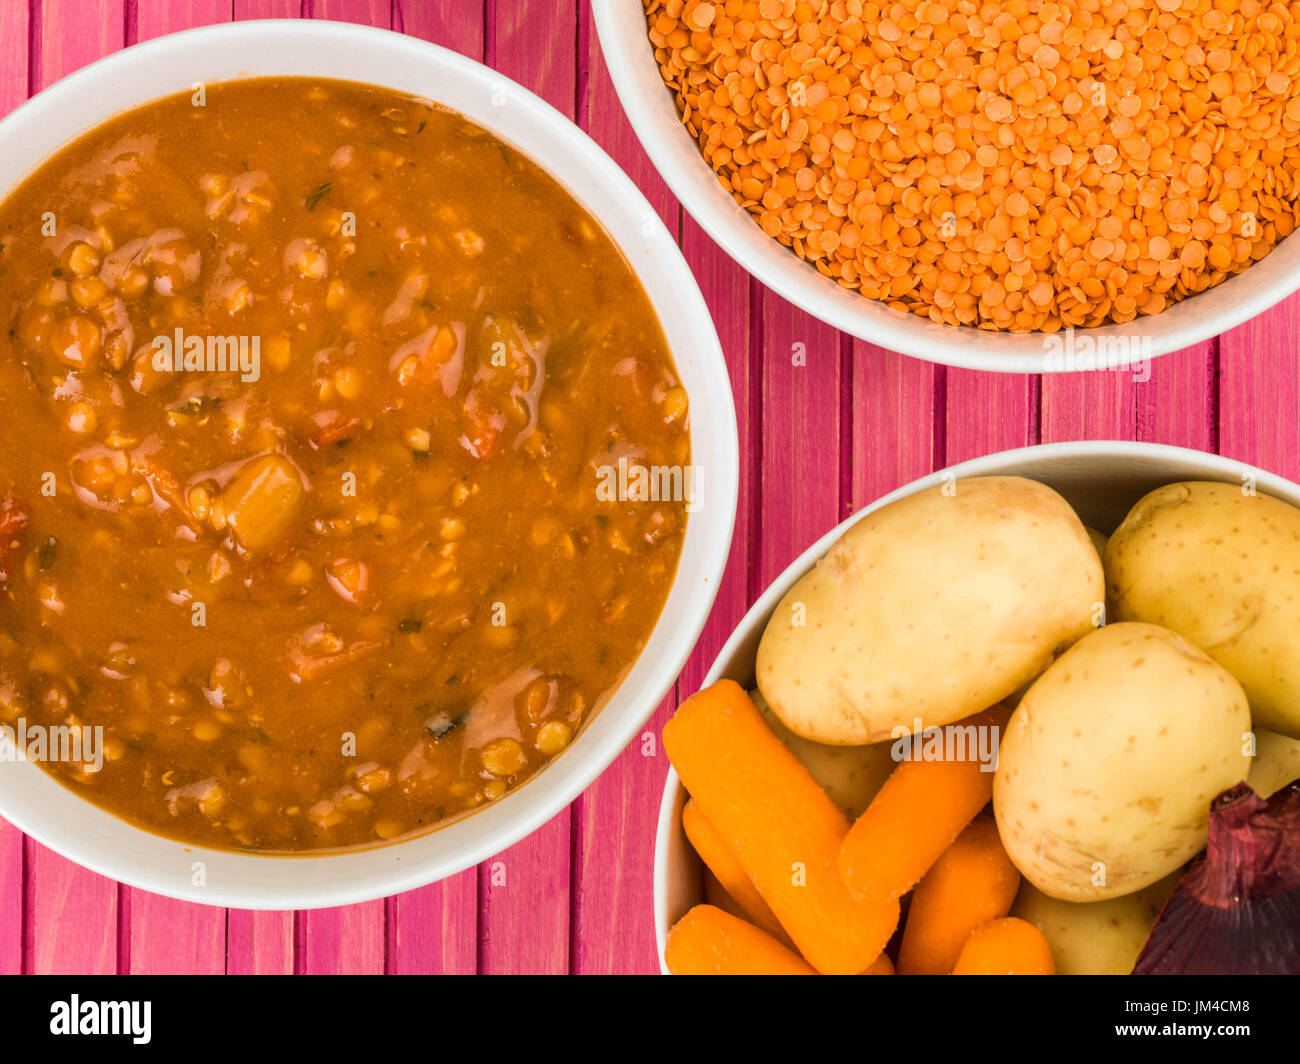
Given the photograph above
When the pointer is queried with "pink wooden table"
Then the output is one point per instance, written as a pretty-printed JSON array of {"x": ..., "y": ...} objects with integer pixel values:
[{"x": 818, "y": 441}]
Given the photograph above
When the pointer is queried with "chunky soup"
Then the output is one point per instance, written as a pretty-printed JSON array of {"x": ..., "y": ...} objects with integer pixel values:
[{"x": 343, "y": 466}]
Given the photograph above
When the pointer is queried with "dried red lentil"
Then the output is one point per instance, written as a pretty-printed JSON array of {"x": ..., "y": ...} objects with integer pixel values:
[{"x": 1010, "y": 165}]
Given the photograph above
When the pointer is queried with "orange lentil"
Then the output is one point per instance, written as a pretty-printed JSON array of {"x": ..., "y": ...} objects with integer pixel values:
[{"x": 1007, "y": 166}]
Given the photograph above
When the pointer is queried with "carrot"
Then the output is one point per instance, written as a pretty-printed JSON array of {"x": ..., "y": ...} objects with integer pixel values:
[
  {"x": 881, "y": 966},
  {"x": 714, "y": 852},
  {"x": 707, "y": 941},
  {"x": 716, "y": 895},
  {"x": 1007, "y": 946},
  {"x": 973, "y": 882},
  {"x": 779, "y": 824},
  {"x": 921, "y": 809}
]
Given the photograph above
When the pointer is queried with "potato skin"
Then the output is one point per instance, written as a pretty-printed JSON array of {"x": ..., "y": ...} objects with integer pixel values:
[
  {"x": 1223, "y": 569},
  {"x": 936, "y": 606},
  {"x": 1099, "y": 937},
  {"x": 1275, "y": 764},
  {"x": 1114, "y": 756}
]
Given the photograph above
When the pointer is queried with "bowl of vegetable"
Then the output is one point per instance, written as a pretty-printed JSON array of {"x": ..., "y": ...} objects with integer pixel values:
[
  {"x": 1029, "y": 714},
  {"x": 936, "y": 217}
]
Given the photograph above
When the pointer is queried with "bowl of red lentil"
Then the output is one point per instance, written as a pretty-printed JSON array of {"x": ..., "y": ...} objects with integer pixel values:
[
  {"x": 1011, "y": 187},
  {"x": 367, "y": 610}
]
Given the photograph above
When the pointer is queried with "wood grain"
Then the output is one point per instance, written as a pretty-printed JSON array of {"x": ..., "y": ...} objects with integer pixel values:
[
  {"x": 14, "y": 29},
  {"x": 525, "y": 899},
  {"x": 259, "y": 943},
  {"x": 1259, "y": 396},
  {"x": 827, "y": 424},
  {"x": 160, "y": 935},
  {"x": 71, "y": 914},
  {"x": 986, "y": 412},
  {"x": 435, "y": 930}
]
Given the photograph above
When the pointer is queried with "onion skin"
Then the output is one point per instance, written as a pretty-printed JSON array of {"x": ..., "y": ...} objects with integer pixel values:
[{"x": 1237, "y": 910}]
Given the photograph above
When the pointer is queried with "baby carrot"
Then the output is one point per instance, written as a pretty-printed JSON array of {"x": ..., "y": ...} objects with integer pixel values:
[
  {"x": 779, "y": 824},
  {"x": 881, "y": 966},
  {"x": 707, "y": 941},
  {"x": 714, "y": 852},
  {"x": 1008, "y": 946},
  {"x": 973, "y": 882},
  {"x": 921, "y": 809}
]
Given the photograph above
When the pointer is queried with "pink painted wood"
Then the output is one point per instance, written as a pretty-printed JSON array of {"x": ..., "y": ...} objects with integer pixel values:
[
  {"x": 827, "y": 424},
  {"x": 14, "y": 26}
]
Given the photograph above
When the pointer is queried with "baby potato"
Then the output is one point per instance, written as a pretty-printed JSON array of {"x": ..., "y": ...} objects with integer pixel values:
[
  {"x": 934, "y": 607},
  {"x": 1109, "y": 764},
  {"x": 1097, "y": 937},
  {"x": 1275, "y": 764},
  {"x": 851, "y": 775},
  {"x": 1099, "y": 540},
  {"x": 1222, "y": 568}
]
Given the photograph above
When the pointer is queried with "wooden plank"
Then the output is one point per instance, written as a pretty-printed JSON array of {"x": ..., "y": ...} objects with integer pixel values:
[
  {"x": 365, "y": 12},
  {"x": 1092, "y": 405},
  {"x": 524, "y": 905},
  {"x": 71, "y": 35},
  {"x": 524, "y": 919},
  {"x": 345, "y": 941},
  {"x": 244, "y": 9},
  {"x": 14, "y": 26},
  {"x": 731, "y": 297},
  {"x": 613, "y": 829},
  {"x": 987, "y": 412},
  {"x": 894, "y": 401},
  {"x": 801, "y": 433},
  {"x": 458, "y": 26},
  {"x": 154, "y": 18},
  {"x": 71, "y": 913},
  {"x": 349, "y": 939},
  {"x": 259, "y": 943},
  {"x": 434, "y": 930},
  {"x": 533, "y": 43},
  {"x": 71, "y": 917},
  {"x": 11, "y": 900},
  {"x": 169, "y": 937},
  {"x": 1259, "y": 396},
  {"x": 164, "y": 936},
  {"x": 613, "y": 913},
  {"x": 1177, "y": 403}
]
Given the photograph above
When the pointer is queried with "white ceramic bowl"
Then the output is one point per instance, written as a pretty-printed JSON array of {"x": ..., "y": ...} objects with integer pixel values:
[
  {"x": 58, "y": 818},
  {"x": 650, "y": 106},
  {"x": 1101, "y": 480}
]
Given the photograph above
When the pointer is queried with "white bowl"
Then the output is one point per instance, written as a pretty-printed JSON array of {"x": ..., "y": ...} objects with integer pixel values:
[
  {"x": 649, "y": 104},
  {"x": 1101, "y": 480},
  {"x": 44, "y": 809}
]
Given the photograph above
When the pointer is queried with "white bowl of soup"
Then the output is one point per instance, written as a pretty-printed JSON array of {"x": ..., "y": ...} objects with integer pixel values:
[
  {"x": 373, "y": 464},
  {"x": 1101, "y": 480},
  {"x": 716, "y": 49}
]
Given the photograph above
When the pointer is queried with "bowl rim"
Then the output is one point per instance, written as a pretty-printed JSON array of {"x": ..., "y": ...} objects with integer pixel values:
[
  {"x": 1000, "y": 463},
  {"x": 384, "y": 870},
  {"x": 627, "y": 52}
]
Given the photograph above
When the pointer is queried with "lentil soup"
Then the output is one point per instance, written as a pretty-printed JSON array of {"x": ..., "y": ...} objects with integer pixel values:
[{"x": 309, "y": 395}]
